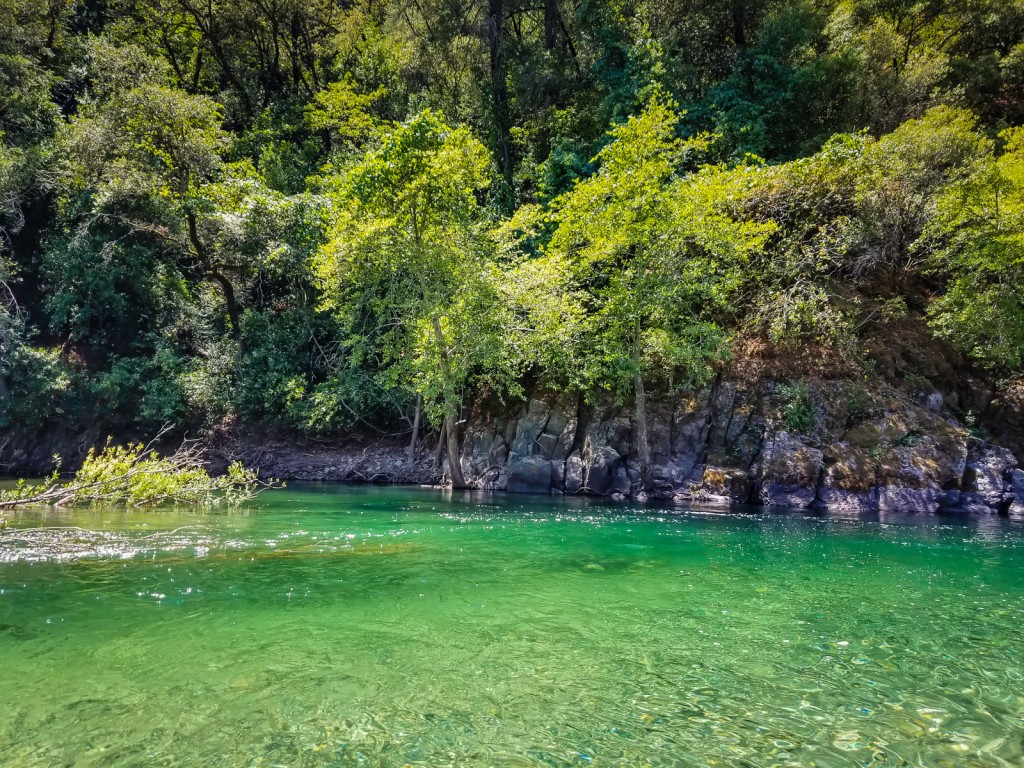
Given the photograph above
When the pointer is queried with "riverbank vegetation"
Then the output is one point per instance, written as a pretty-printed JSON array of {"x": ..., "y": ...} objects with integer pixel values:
[{"x": 322, "y": 217}]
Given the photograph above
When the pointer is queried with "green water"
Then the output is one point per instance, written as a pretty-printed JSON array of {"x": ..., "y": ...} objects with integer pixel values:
[{"x": 382, "y": 627}]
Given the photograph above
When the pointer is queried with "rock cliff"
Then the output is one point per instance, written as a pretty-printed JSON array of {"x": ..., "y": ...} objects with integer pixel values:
[{"x": 733, "y": 443}]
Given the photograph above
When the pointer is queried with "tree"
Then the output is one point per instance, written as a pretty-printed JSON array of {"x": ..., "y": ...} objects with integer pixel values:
[
  {"x": 407, "y": 247},
  {"x": 653, "y": 257},
  {"x": 11, "y": 326},
  {"x": 976, "y": 241},
  {"x": 11, "y": 319},
  {"x": 147, "y": 164}
]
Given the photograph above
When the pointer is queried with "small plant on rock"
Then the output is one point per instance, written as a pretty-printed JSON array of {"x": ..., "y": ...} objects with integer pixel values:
[{"x": 798, "y": 410}]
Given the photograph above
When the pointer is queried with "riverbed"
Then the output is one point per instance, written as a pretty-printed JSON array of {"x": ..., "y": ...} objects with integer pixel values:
[{"x": 336, "y": 626}]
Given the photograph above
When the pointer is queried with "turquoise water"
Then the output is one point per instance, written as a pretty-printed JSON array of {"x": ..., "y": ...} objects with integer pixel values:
[{"x": 383, "y": 627}]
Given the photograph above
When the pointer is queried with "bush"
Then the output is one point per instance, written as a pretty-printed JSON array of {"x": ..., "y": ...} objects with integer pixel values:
[
  {"x": 296, "y": 375},
  {"x": 797, "y": 411},
  {"x": 140, "y": 391},
  {"x": 42, "y": 388},
  {"x": 858, "y": 405}
]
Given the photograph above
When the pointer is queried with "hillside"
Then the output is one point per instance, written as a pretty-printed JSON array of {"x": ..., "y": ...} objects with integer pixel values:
[{"x": 759, "y": 251}]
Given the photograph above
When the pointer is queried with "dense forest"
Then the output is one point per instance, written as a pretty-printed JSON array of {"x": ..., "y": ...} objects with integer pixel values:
[{"x": 321, "y": 217}]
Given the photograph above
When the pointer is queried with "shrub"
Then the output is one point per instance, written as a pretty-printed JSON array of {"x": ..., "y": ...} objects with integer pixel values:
[
  {"x": 42, "y": 389},
  {"x": 797, "y": 411}
]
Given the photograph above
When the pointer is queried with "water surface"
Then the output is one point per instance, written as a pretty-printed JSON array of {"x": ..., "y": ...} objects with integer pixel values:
[{"x": 383, "y": 627}]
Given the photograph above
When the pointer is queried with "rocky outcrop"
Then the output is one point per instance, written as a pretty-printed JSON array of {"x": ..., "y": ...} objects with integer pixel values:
[
  {"x": 789, "y": 472},
  {"x": 1016, "y": 507},
  {"x": 988, "y": 478},
  {"x": 730, "y": 443}
]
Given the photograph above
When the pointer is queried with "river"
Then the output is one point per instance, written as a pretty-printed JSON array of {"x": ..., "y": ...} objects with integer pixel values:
[{"x": 335, "y": 626}]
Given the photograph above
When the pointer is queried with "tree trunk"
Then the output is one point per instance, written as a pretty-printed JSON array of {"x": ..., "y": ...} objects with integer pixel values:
[
  {"x": 454, "y": 462},
  {"x": 550, "y": 23},
  {"x": 643, "y": 447},
  {"x": 415, "y": 428},
  {"x": 739, "y": 23},
  {"x": 451, "y": 409},
  {"x": 4, "y": 390},
  {"x": 234, "y": 316},
  {"x": 441, "y": 438},
  {"x": 499, "y": 90}
]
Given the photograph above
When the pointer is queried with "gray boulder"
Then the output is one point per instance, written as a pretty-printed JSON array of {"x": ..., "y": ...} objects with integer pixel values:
[
  {"x": 573, "y": 474},
  {"x": 1016, "y": 509},
  {"x": 985, "y": 477},
  {"x": 529, "y": 474},
  {"x": 604, "y": 471}
]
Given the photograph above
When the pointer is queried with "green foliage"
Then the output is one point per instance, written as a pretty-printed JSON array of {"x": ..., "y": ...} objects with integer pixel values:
[
  {"x": 107, "y": 287},
  {"x": 797, "y": 407},
  {"x": 976, "y": 239},
  {"x": 791, "y": 90},
  {"x": 344, "y": 112},
  {"x": 42, "y": 388},
  {"x": 141, "y": 392},
  {"x": 257, "y": 209},
  {"x": 849, "y": 215},
  {"x": 908, "y": 440},
  {"x": 859, "y": 406},
  {"x": 27, "y": 112},
  {"x": 651, "y": 257},
  {"x": 137, "y": 476},
  {"x": 407, "y": 254}
]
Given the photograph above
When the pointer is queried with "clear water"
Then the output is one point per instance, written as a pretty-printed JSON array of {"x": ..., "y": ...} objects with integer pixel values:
[{"x": 384, "y": 627}]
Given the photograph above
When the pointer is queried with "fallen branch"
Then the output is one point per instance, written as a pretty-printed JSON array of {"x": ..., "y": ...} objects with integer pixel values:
[{"x": 136, "y": 475}]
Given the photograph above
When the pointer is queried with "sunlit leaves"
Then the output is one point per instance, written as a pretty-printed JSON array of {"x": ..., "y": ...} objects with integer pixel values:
[
  {"x": 650, "y": 257},
  {"x": 408, "y": 249},
  {"x": 977, "y": 239},
  {"x": 345, "y": 112}
]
